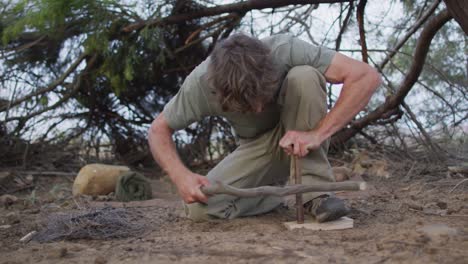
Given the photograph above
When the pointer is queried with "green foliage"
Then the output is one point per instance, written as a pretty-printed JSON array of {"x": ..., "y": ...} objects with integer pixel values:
[{"x": 39, "y": 15}]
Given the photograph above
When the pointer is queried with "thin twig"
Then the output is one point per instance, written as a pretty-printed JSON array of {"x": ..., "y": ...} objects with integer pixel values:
[{"x": 458, "y": 184}]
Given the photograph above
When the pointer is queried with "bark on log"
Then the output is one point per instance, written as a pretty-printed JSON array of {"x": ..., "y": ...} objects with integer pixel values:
[{"x": 220, "y": 188}]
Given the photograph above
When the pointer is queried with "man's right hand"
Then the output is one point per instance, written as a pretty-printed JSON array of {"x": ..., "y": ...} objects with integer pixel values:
[
  {"x": 164, "y": 152},
  {"x": 189, "y": 185}
]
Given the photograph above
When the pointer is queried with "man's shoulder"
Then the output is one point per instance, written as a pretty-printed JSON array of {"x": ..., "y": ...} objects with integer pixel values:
[
  {"x": 196, "y": 77},
  {"x": 277, "y": 40}
]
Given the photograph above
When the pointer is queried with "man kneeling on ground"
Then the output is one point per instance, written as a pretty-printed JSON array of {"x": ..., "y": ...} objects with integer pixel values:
[{"x": 273, "y": 93}]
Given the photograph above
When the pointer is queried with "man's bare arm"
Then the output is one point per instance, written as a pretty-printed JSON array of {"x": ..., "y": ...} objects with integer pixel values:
[
  {"x": 164, "y": 152},
  {"x": 359, "y": 83}
]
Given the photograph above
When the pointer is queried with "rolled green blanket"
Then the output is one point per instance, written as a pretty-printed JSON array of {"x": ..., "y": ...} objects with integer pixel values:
[{"x": 132, "y": 186}]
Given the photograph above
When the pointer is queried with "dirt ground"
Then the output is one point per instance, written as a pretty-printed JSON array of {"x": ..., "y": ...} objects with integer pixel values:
[{"x": 413, "y": 216}]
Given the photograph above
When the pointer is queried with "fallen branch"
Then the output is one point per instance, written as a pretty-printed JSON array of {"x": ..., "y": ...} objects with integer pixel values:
[
  {"x": 49, "y": 173},
  {"x": 28, "y": 237},
  {"x": 458, "y": 169},
  {"x": 221, "y": 188},
  {"x": 458, "y": 184},
  {"x": 22, "y": 188}
]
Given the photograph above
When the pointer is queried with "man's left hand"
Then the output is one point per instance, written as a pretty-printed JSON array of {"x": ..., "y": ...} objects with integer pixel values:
[{"x": 299, "y": 143}]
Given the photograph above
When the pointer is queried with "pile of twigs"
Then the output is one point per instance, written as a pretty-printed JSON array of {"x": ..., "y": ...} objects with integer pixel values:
[{"x": 102, "y": 223}]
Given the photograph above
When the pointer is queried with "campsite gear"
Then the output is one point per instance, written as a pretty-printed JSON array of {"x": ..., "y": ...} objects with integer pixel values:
[
  {"x": 326, "y": 208},
  {"x": 97, "y": 179},
  {"x": 132, "y": 186}
]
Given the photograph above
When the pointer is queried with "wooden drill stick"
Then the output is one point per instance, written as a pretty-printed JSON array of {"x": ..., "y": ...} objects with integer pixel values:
[
  {"x": 298, "y": 180},
  {"x": 221, "y": 188}
]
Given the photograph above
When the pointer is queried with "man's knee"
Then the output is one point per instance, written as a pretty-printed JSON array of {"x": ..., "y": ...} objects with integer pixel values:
[
  {"x": 196, "y": 212},
  {"x": 303, "y": 79}
]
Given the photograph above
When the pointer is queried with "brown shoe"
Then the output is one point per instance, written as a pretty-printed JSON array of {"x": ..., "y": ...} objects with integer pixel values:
[{"x": 326, "y": 208}]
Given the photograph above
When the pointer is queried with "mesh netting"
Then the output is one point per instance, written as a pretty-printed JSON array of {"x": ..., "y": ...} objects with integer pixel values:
[{"x": 101, "y": 223}]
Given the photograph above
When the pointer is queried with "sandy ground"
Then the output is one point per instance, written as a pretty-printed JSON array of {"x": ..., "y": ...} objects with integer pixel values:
[{"x": 411, "y": 220}]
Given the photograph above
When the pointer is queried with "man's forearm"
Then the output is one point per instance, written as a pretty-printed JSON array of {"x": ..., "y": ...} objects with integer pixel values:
[
  {"x": 354, "y": 96},
  {"x": 164, "y": 152},
  {"x": 163, "y": 149}
]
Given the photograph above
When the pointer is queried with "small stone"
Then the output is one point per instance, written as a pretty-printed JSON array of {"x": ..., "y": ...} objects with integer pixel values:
[
  {"x": 438, "y": 230},
  {"x": 101, "y": 198},
  {"x": 414, "y": 205},
  {"x": 100, "y": 260},
  {"x": 29, "y": 179},
  {"x": 5, "y": 177},
  {"x": 423, "y": 239},
  {"x": 442, "y": 205},
  {"x": 13, "y": 218},
  {"x": 63, "y": 252},
  {"x": 32, "y": 211},
  {"x": 58, "y": 253},
  {"x": 7, "y": 200},
  {"x": 5, "y": 226}
]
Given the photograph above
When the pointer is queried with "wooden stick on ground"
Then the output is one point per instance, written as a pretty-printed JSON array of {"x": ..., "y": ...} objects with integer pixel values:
[
  {"x": 221, "y": 188},
  {"x": 458, "y": 169}
]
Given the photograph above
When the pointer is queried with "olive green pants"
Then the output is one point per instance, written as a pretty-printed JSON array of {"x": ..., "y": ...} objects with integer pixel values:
[{"x": 260, "y": 161}]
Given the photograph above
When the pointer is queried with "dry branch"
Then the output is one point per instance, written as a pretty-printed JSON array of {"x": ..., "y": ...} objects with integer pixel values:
[
  {"x": 48, "y": 88},
  {"x": 410, "y": 33},
  {"x": 344, "y": 27},
  {"x": 459, "y": 10},
  {"x": 220, "y": 188},
  {"x": 240, "y": 7},
  {"x": 458, "y": 169},
  {"x": 362, "y": 36},
  {"x": 393, "y": 101}
]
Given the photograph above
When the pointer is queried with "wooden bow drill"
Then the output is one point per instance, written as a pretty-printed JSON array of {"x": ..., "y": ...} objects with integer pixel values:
[{"x": 297, "y": 188}]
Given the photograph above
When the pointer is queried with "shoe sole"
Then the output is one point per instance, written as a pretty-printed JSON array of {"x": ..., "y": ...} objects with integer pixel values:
[{"x": 330, "y": 216}]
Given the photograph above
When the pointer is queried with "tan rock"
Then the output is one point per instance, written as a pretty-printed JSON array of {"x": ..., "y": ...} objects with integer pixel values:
[{"x": 97, "y": 179}]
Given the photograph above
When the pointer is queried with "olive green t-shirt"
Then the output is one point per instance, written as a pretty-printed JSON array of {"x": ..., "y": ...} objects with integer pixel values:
[{"x": 195, "y": 100}]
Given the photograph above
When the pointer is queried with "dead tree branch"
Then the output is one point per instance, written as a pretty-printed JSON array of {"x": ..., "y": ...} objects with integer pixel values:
[
  {"x": 459, "y": 10},
  {"x": 410, "y": 33},
  {"x": 344, "y": 27},
  {"x": 393, "y": 101},
  {"x": 362, "y": 36},
  {"x": 240, "y": 7},
  {"x": 49, "y": 88}
]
